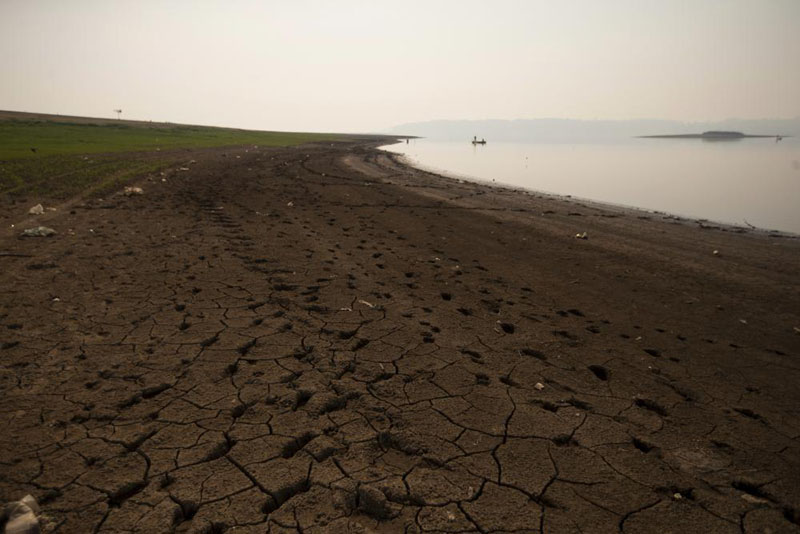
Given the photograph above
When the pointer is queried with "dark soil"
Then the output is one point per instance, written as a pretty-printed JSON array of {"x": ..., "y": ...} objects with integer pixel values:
[{"x": 320, "y": 339}]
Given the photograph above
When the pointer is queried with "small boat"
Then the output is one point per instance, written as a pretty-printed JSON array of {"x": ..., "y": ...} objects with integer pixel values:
[{"x": 476, "y": 142}]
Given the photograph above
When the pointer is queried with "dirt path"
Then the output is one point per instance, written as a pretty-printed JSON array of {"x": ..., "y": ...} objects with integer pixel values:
[{"x": 319, "y": 339}]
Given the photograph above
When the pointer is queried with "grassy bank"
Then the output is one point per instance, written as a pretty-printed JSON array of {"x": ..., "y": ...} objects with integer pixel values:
[
  {"x": 24, "y": 139},
  {"x": 56, "y": 157}
]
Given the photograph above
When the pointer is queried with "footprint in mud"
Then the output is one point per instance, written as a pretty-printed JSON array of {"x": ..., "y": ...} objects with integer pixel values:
[
  {"x": 599, "y": 371},
  {"x": 539, "y": 355}
]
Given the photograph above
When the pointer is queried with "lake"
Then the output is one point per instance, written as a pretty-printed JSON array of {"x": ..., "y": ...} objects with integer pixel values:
[{"x": 755, "y": 180}]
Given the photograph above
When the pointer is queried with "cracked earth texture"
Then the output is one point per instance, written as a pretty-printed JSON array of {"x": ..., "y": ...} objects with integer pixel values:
[{"x": 321, "y": 339}]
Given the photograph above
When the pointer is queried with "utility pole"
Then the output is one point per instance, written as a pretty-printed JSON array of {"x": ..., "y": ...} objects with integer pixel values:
[{"x": 118, "y": 112}]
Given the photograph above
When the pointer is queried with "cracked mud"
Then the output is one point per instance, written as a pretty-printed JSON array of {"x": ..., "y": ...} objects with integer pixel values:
[{"x": 320, "y": 339}]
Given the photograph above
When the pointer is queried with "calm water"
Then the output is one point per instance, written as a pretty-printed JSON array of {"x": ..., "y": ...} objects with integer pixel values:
[{"x": 753, "y": 180}]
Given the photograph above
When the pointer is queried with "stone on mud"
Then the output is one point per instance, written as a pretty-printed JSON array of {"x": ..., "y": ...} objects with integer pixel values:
[{"x": 38, "y": 231}]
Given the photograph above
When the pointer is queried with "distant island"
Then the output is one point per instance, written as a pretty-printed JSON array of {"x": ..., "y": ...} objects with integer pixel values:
[{"x": 712, "y": 134}]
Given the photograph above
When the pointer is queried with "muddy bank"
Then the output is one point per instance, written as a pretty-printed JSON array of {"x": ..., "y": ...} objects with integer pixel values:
[{"x": 321, "y": 339}]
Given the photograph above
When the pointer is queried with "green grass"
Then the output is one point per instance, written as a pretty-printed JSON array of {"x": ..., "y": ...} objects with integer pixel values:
[
  {"x": 95, "y": 157},
  {"x": 60, "y": 177},
  {"x": 18, "y": 137}
]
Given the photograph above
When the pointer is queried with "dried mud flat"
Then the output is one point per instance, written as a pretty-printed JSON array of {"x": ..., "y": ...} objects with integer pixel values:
[{"x": 320, "y": 339}]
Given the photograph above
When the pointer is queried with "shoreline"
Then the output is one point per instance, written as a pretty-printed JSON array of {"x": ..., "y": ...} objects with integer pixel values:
[
  {"x": 322, "y": 338},
  {"x": 731, "y": 226},
  {"x": 404, "y": 159}
]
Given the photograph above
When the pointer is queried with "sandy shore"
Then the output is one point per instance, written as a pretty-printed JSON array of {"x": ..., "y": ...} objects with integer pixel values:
[{"x": 321, "y": 339}]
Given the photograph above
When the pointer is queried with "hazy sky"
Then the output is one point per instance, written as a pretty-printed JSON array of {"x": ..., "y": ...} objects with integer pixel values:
[{"x": 348, "y": 65}]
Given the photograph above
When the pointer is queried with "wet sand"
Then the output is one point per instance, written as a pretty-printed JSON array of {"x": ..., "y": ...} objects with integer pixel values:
[{"x": 322, "y": 339}]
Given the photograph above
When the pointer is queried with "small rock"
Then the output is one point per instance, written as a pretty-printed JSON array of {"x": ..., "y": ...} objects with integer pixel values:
[
  {"x": 539, "y": 386},
  {"x": 581, "y": 236},
  {"x": 133, "y": 191},
  {"x": 290, "y": 204},
  {"x": 38, "y": 209},
  {"x": 716, "y": 252},
  {"x": 38, "y": 231}
]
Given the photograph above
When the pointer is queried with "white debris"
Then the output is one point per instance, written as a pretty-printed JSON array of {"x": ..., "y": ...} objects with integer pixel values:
[
  {"x": 38, "y": 209},
  {"x": 365, "y": 303},
  {"x": 290, "y": 204},
  {"x": 582, "y": 235},
  {"x": 21, "y": 517},
  {"x": 753, "y": 499},
  {"x": 183, "y": 168},
  {"x": 133, "y": 191},
  {"x": 716, "y": 252},
  {"x": 38, "y": 231},
  {"x": 539, "y": 386}
]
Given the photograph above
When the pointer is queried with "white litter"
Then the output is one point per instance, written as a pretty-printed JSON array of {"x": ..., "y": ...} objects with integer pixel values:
[
  {"x": 38, "y": 209},
  {"x": 365, "y": 303},
  {"x": 539, "y": 386},
  {"x": 133, "y": 191},
  {"x": 21, "y": 517}
]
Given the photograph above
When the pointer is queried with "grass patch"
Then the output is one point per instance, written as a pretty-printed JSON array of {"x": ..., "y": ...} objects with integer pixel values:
[
  {"x": 57, "y": 158},
  {"x": 60, "y": 177},
  {"x": 19, "y": 137}
]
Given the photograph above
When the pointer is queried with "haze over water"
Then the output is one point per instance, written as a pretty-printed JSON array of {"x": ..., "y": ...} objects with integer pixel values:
[{"x": 755, "y": 181}]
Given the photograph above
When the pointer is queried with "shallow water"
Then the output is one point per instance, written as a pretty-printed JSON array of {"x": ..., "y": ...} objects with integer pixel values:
[{"x": 755, "y": 181}]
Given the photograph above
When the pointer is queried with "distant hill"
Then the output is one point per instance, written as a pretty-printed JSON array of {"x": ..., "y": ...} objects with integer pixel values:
[{"x": 568, "y": 130}]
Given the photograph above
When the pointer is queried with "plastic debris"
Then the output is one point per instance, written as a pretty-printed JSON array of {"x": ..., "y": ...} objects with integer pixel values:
[
  {"x": 133, "y": 191},
  {"x": 581, "y": 236},
  {"x": 716, "y": 252},
  {"x": 20, "y": 517},
  {"x": 38, "y": 209},
  {"x": 539, "y": 386},
  {"x": 290, "y": 204},
  {"x": 38, "y": 231},
  {"x": 365, "y": 303}
]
